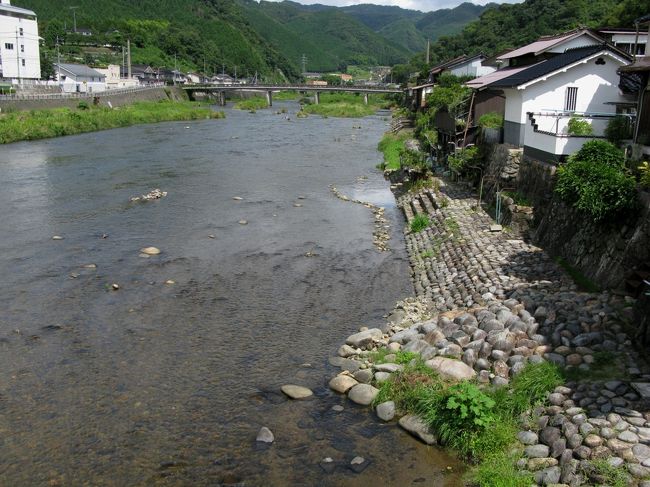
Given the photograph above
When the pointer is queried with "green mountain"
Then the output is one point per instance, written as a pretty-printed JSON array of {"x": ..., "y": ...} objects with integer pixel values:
[
  {"x": 449, "y": 21},
  {"x": 329, "y": 38},
  {"x": 189, "y": 33}
]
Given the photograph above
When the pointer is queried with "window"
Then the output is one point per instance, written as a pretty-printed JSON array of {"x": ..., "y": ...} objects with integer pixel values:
[
  {"x": 570, "y": 98},
  {"x": 20, "y": 31},
  {"x": 22, "y": 48},
  {"x": 22, "y": 62},
  {"x": 9, "y": 46}
]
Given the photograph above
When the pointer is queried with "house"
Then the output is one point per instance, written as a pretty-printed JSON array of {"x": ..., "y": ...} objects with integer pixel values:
[
  {"x": 79, "y": 78},
  {"x": 144, "y": 73},
  {"x": 114, "y": 80},
  {"x": 19, "y": 44},
  {"x": 222, "y": 79},
  {"x": 542, "y": 98},
  {"x": 345, "y": 77},
  {"x": 194, "y": 78},
  {"x": 489, "y": 92},
  {"x": 462, "y": 66},
  {"x": 640, "y": 73},
  {"x": 627, "y": 40},
  {"x": 83, "y": 32}
]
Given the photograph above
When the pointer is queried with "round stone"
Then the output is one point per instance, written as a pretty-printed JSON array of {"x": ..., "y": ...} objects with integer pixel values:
[
  {"x": 296, "y": 392},
  {"x": 342, "y": 383},
  {"x": 150, "y": 251},
  {"x": 363, "y": 394},
  {"x": 386, "y": 410}
]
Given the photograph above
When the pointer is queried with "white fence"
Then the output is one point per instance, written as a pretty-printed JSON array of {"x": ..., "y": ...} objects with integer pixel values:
[{"x": 60, "y": 96}]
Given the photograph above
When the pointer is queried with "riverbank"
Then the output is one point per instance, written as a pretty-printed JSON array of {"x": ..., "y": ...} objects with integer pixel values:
[
  {"x": 500, "y": 357},
  {"x": 42, "y": 124}
]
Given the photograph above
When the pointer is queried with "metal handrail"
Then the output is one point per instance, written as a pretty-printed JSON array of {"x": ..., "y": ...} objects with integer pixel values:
[{"x": 56, "y": 96}]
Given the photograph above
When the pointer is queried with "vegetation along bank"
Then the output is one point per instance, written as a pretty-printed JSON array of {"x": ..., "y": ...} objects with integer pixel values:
[{"x": 42, "y": 124}]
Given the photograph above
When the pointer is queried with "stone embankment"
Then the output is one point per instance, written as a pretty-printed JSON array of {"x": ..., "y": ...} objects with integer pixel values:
[{"x": 486, "y": 304}]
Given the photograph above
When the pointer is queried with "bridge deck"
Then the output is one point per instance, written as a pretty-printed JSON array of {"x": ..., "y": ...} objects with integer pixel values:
[{"x": 349, "y": 89}]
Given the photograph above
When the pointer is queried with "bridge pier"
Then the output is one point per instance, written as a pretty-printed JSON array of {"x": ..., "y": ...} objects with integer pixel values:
[
  {"x": 317, "y": 97},
  {"x": 365, "y": 98},
  {"x": 269, "y": 98},
  {"x": 222, "y": 98}
]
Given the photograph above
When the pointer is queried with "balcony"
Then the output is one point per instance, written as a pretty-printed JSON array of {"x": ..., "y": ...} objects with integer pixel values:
[{"x": 548, "y": 132}]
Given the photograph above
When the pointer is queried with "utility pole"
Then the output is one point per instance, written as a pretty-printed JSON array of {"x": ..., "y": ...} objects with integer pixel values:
[
  {"x": 74, "y": 16},
  {"x": 18, "y": 59},
  {"x": 174, "y": 73},
  {"x": 58, "y": 61},
  {"x": 235, "y": 73},
  {"x": 122, "y": 75},
  {"x": 128, "y": 57},
  {"x": 428, "y": 51},
  {"x": 303, "y": 60}
]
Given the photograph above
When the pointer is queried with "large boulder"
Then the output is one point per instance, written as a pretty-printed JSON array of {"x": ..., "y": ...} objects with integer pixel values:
[
  {"x": 451, "y": 369},
  {"x": 341, "y": 383}
]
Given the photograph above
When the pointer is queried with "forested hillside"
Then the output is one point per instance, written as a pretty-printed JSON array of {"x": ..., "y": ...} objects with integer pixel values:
[
  {"x": 190, "y": 33},
  {"x": 510, "y": 25}
]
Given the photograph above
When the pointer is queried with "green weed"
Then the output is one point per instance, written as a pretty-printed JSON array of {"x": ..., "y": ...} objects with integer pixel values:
[
  {"x": 582, "y": 281},
  {"x": 419, "y": 223},
  {"x": 603, "y": 473},
  {"x": 499, "y": 470}
]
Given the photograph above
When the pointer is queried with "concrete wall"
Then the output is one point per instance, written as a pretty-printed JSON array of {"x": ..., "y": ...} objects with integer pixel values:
[{"x": 116, "y": 100}]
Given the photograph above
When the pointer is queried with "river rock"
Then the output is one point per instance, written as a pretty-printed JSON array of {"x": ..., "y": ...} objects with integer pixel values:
[
  {"x": 296, "y": 392},
  {"x": 537, "y": 451},
  {"x": 414, "y": 425},
  {"x": 386, "y": 410},
  {"x": 359, "y": 464},
  {"x": 364, "y": 338},
  {"x": 451, "y": 369},
  {"x": 265, "y": 435},
  {"x": 363, "y": 375},
  {"x": 388, "y": 367},
  {"x": 363, "y": 394},
  {"x": 150, "y": 251},
  {"x": 527, "y": 437},
  {"x": 342, "y": 383}
]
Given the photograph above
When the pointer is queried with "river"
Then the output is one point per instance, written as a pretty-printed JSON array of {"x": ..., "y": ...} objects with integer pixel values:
[{"x": 161, "y": 383}]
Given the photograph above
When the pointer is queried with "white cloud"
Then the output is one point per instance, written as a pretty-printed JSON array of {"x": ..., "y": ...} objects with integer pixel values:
[{"x": 423, "y": 5}]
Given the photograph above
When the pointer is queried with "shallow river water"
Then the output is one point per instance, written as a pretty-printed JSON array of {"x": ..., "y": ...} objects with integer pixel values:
[{"x": 168, "y": 384}]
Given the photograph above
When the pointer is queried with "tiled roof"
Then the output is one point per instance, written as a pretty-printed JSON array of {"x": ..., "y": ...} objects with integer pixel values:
[
  {"x": 80, "y": 70},
  {"x": 543, "y": 44},
  {"x": 546, "y": 67},
  {"x": 488, "y": 79}
]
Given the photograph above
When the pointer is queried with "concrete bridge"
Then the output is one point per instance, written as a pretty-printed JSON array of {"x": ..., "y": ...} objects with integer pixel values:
[{"x": 268, "y": 90}]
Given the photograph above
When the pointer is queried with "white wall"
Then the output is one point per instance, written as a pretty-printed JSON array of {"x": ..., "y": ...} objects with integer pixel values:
[
  {"x": 597, "y": 84},
  {"x": 513, "y": 112},
  {"x": 475, "y": 68},
  {"x": 12, "y": 60}
]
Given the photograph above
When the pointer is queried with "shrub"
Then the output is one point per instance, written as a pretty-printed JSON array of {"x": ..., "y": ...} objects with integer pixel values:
[
  {"x": 83, "y": 105},
  {"x": 460, "y": 415},
  {"x": 419, "y": 223},
  {"x": 491, "y": 120},
  {"x": 618, "y": 129},
  {"x": 460, "y": 160},
  {"x": 407, "y": 386},
  {"x": 594, "y": 181},
  {"x": 413, "y": 159},
  {"x": 578, "y": 126}
]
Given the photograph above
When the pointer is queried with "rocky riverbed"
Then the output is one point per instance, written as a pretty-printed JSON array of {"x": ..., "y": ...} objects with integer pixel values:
[{"x": 488, "y": 302}]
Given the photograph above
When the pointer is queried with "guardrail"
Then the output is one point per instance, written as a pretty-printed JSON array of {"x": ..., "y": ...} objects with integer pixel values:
[
  {"x": 236, "y": 86},
  {"x": 65, "y": 96}
]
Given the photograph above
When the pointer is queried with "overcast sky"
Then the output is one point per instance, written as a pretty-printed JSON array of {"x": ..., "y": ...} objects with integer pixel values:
[{"x": 423, "y": 5}]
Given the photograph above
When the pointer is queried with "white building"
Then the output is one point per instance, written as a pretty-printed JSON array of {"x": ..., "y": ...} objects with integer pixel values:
[
  {"x": 114, "y": 80},
  {"x": 19, "y": 44},
  {"x": 79, "y": 78},
  {"x": 542, "y": 98}
]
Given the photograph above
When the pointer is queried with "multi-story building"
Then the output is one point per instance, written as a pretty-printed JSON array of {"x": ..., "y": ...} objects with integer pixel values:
[{"x": 19, "y": 44}]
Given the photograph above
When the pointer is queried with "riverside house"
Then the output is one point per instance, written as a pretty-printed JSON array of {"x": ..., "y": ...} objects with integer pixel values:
[
  {"x": 545, "y": 84},
  {"x": 79, "y": 78}
]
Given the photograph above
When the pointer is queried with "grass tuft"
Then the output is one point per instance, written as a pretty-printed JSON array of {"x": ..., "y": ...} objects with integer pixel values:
[
  {"x": 252, "y": 104},
  {"x": 499, "y": 470},
  {"x": 419, "y": 223}
]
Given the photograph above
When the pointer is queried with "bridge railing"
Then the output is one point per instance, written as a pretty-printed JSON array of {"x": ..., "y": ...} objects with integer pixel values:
[{"x": 235, "y": 86}]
